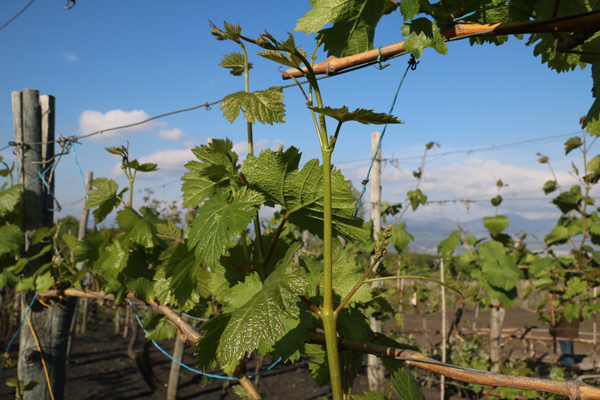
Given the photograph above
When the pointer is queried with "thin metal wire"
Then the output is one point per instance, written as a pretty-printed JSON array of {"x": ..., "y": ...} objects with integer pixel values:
[
  {"x": 206, "y": 105},
  {"x": 19, "y": 13}
]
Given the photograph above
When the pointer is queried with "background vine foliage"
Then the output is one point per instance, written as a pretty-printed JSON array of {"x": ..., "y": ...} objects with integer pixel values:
[{"x": 229, "y": 267}]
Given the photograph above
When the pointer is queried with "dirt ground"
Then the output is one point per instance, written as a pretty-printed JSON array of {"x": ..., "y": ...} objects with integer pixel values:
[{"x": 100, "y": 368}]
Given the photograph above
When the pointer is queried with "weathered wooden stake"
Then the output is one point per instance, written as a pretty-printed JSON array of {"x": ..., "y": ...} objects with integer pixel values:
[
  {"x": 51, "y": 324},
  {"x": 444, "y": 339},
  {"x": 80, "y": 234},
  {"x": 173, "y": 385},
  {"x": 375, "y": 369}
]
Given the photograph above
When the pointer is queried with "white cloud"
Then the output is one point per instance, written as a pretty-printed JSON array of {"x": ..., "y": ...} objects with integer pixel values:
[
  {"x": 92, "y": 121},
  {"x": 190, "y": 143},
  {"x": 170, "y": 162},
  {"x": 473, "y": 179},
  {"x": 171, "y": 134},
  {"x": 70, "y": 56},
  {"x": 241, "y": 148}
]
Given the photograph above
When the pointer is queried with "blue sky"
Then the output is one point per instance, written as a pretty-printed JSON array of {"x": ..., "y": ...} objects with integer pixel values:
[{"x": 113, "y": 62}]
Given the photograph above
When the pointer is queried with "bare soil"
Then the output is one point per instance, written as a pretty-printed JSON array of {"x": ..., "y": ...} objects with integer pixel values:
[{"x": 101, "y": 369}]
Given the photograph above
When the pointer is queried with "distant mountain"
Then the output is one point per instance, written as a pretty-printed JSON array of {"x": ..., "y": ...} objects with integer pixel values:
[{"x": 429, "y": 233}]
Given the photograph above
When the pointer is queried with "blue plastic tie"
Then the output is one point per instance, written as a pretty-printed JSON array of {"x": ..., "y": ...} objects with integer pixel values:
[
  {"x": 19, "y": 329},
  {"x": 49, "y": 190},
  {"x": 40, "y": 174},
  {"x": 189, "y": 368},
  {"x": 455, "y": 20},
  {"x": 80, "y": 172}
]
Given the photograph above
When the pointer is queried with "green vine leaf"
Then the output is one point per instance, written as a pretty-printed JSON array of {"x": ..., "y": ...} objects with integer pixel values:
[
  {"x": 44, "y": 282},
  {"x": 238, "y": 295},
  {"x": 209, "y": 175},
  {"x": 354, "y": 23},
  {"x": 290, "y": 345},
  {"x": 266, "y": 106},
  {"x": 10, "y": 197},
  {"x": 447, "y": 246},
  {"x": 92, "y": 246},
  {"x": 361, "y": 115},
  {"x": 516, "y": 10},
  {"x": 141, "y": 230},
  {"x": 235, "y": 62},
  {"x": 230, "y": 33},
  {"x": 559, "y": 235},
  {"x": 405, "y": 385},
  {"x": 409, "y": 9},
  {"x": 318, "y": 365},
  {"x": 572, "y": 144},
  {"x": 300, "y": 193},
  {"x": 568, "y": 201},
  {"x": 159, "y": 328},
  {"x": 354, "y": 325},
  {"x": 218, "y": 220},
  {"x": 499, "y": 269},
  {"x": 549, "y": 187},
  {"x": 345, "y": 275},
  {"x": 495, "y": 225},
  {"x": 11, "y": 238},
  {"x": 113, "y": 260},
  {"x": 104, "y": 198},
  {"x": 261, "y": 317},
  {"x": 400, "y": 237},
  {"x": 146, "y": 167},
  {"x": 423, "y": 33},
  {"x": 181, "y": 269},
  {"x": 416, "y": 198},
  {"x": 206, "y": 347},
  {"x": 370, "y": 395},
  {"x": 225, "y": 275}
]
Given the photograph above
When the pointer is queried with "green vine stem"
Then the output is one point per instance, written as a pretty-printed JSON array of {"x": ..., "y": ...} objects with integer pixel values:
[
  {"x": 246, "y": 252},
  {"x": 131, "y": 181},
  {"x": 328, "y": 315},
  {"x": 276, "y": 238},
  {"x": 369, "y": 271},
  {"x": 257, "y": 231}
]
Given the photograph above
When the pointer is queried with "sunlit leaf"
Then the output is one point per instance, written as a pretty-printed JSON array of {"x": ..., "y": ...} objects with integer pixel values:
[
  {"x": 104, "y": 198},
  {"x": 361, "y": 115},
  {"x": 9, "y": 198},
  {"x": 300, "y": 192},
  {"x": 264, "y": 106},
  {"x": 261, "y": 317},
  {"x": 423, "y": 33},
  {"x": 235, "y": 62},
  {"x": 354, "y": 23},
  {"x": 11, "y": 238},
  {"x": 218, "y": 220}
]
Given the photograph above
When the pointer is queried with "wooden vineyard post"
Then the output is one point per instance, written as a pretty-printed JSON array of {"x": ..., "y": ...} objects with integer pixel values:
[
  {"x": 444, "y": 331},
  {"x": 375, "y": 369},
  {"x": 173, "y": 385},
  {"x": 80, "y": 234},
  {"x": 496, "y": 320},
  {"x": 50, "y": 324},
  {"x": 89, "y": 177},
  {"x": 595, "y": 295}
]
